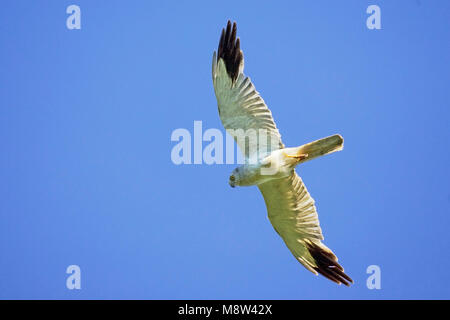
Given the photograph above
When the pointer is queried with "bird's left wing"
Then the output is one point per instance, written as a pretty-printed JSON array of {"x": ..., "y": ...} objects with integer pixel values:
[
  {"x": 292, "y": 212},
  {"x": 241, "y": 108}
]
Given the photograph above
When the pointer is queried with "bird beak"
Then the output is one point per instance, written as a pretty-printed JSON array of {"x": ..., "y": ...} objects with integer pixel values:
[{"x": 232, "y": 184}]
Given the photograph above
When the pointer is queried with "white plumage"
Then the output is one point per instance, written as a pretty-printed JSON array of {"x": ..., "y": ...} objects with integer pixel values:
[{"x": 270, "y": 165}]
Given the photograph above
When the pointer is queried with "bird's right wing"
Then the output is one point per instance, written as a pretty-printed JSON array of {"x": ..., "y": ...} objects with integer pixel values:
[
  {"x": 292, "y": 212},
  {"x": 241, "y": 109}
]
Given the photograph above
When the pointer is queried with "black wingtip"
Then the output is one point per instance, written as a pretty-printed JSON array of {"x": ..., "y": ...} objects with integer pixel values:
[
  {"x": 327, "y": 265},
  {"x": 229, "y": 50}
]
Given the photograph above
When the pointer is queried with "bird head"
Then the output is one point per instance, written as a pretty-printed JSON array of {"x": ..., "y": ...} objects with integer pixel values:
[
  {"x": 234, "y": 178},
  {"x": 232, "y": 181}
]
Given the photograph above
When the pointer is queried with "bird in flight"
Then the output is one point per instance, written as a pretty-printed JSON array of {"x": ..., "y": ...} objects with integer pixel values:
[{"x": 269, "y": 164}]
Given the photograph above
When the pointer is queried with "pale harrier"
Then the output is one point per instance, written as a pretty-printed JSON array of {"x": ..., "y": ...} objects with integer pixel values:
[{"x": 270, "y": 165}]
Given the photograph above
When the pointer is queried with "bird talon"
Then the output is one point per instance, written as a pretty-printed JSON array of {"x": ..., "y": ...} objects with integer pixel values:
[{"x": 298, "y": 156}]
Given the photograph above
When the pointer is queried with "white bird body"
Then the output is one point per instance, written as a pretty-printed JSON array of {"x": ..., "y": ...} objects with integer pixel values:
[
  {"x": 269, "y": 164},
  {"x": 274, "y": 166},
  {"x": 282, "y": 162}
]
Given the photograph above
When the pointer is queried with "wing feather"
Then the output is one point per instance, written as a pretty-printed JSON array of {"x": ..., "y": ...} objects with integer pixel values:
[
  {"x": 240, "y": 105},
  {"x": 293, "y": 215}
]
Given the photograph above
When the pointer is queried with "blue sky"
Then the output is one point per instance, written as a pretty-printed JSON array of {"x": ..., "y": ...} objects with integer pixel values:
[{"x": 86, "y": 176}]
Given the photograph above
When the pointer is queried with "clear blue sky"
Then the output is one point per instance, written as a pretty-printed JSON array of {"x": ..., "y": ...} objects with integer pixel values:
[{"x": 86, "y": 176}]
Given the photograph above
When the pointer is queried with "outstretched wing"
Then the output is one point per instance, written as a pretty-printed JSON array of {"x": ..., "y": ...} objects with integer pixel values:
[
  {"x": 241, "y": 109},
  {"x": 293, "y": 214}
]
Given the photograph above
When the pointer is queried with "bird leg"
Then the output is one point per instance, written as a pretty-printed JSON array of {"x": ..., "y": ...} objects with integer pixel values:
[{"x": 298, "y": 157}]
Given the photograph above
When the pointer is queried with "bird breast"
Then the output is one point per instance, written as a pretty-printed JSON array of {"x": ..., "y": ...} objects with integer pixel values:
[{"x": 271, "y": 167}]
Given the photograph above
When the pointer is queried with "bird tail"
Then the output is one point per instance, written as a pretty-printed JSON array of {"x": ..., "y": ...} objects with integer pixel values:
[{"x": 319, "y": 148}]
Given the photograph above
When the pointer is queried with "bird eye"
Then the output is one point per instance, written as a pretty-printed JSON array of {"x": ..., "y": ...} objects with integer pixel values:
[{"x": 232, "y": 178}]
